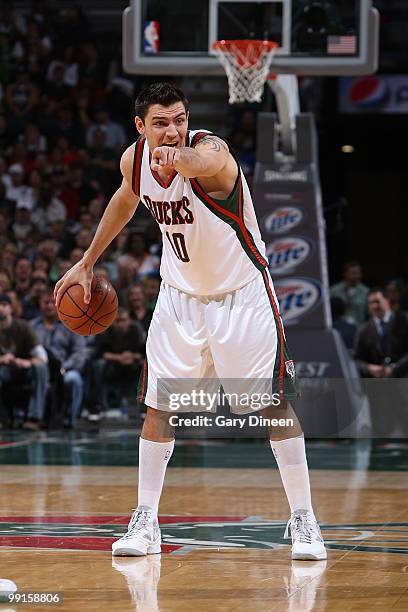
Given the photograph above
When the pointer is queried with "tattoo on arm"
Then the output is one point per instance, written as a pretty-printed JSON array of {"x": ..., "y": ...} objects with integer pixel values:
[{"x": 214, "y": 142}]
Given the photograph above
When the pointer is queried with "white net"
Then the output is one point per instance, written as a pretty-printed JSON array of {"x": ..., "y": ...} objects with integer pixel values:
[{"x": 247, "y": 64}]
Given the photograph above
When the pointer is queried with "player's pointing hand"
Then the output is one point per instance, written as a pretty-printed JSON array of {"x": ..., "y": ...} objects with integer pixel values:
[{"x": 164, "y": 156}]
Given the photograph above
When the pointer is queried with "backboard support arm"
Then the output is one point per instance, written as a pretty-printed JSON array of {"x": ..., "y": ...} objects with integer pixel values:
[{"x": 286, "y": 90}]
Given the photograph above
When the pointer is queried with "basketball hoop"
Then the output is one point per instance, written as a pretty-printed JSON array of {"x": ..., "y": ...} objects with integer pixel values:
[{"x": 247, "y": 64}]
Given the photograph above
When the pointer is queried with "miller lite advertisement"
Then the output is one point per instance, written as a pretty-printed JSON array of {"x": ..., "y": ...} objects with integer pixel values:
[
  {"x": 151, "y": 41},
  {"x": 295, "y": 242}
]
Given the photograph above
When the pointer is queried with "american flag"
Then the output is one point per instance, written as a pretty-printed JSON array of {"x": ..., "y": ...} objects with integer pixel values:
[{"x": 344, "y": 45}]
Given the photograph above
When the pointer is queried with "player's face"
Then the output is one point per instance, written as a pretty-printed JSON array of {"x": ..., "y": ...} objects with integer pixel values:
[{"x": 164, "y": 125}]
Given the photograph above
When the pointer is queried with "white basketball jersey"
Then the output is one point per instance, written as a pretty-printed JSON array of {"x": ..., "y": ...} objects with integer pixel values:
[{"x": 210, "y": 246}]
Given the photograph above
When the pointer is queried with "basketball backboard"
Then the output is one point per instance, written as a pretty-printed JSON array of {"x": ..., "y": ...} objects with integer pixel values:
[{"x": 336, "y": 37}]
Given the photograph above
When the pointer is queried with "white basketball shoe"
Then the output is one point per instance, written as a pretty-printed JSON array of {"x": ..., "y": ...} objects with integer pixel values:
[
  {"x": 143, "y": 536},
  {"x": 307, "y": 540}
]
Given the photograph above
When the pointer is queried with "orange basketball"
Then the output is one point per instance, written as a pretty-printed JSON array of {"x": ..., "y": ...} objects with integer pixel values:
[{"x": 93, "y": 318}]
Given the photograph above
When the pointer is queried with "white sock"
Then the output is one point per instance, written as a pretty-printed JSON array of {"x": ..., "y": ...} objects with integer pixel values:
[
  {"x": 153, "y": 459},
  {"x": 290, "y": 456}
]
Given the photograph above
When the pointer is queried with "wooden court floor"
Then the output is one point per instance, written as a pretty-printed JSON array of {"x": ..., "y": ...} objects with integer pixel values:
[{"x": 62, "y": 505}]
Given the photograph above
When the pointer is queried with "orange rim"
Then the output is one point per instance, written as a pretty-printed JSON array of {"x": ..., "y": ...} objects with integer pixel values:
[{"x": 249, "y": 50}]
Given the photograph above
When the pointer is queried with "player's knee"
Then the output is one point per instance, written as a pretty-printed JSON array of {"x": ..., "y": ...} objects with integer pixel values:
[
  {"x": 156, "y": 426},
  {"x": 277, "y": 410}
]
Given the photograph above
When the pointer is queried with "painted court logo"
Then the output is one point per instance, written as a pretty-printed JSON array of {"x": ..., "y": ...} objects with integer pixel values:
[{"x": 181, "y": 535}]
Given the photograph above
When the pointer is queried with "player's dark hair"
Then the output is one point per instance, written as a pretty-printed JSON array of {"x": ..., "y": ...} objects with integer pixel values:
[{"x": 164, "y": 93}]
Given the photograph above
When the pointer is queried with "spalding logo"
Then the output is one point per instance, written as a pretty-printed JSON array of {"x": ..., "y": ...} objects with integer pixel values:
[
  {"x": 285, "y": 254},
  {"x": 283, "y": 219},
  {"x": 369, "y": 93},
  {"x": 297, "y": 297}
]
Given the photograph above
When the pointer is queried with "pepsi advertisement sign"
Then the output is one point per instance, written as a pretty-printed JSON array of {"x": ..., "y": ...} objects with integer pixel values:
[
  {"x": 297, "y": 297},
  {"x": 374, "y": 94},
  {"x": 283, "y": 219},
  {"x": 285, "y": 254}
]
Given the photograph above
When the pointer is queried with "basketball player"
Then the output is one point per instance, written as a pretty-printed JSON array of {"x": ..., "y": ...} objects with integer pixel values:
[{"x": 217, "y": 313}]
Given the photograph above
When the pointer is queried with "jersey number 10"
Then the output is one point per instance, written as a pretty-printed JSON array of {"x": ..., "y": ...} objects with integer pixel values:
[{"x": 178, "y": 244}]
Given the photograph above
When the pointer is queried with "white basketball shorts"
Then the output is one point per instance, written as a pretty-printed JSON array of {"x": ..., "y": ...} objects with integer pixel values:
[{"x": 235, "y": 339}]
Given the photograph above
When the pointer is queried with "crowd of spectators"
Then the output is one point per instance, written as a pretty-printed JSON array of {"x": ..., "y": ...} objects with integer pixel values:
[
  {"x": 374, "y": 326},
  {"x": 372, "y": 322},
  {"x": 65, "y": 119}
]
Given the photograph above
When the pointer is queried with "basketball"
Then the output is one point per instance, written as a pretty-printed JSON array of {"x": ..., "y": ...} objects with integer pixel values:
[{"x": 93, "y": 318}]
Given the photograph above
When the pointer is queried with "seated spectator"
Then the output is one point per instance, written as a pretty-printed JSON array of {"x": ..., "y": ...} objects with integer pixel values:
[
  {"x": 22, "y": 275},
  {"x": 83, "y": 187},
  {"x": 8, "y": 256},
  {"x": 16, "y": 307},
  {"x": 22, "y": 225},
  {"x": 67, "y": 152},
  {"x": 34, "y": 182},
  {"x": 151, "y": 288},
  {"x": 86, "y": 221},
  {"x": 67, "y": 355},
  {"x": 136, "y": 253},
  {"x": 42, "y": 164},
  {"x": 63, "y": 266},
  {"x": 62, "y": 190},
  {"x": 48, "y": 249},
  {"x": 30, "y": 303},
  {"x": 17, "y": 190},
  {"x": 22, "y": 97},
  {"x": 49, "y": 208},
  {"x": 38, "y": 274},
  {"x": 69, "y": 126},
  {"x": 40, "y": 262},
  {"x": 60, "y": 233},
  {"x": 346, "y": 329},
  {"x": 5, "y": 282},
  {"x": 103, "y": 160},
  {"x": 83, "y": 238},
  {"x": 117, "y": 360},
  {"x": 19, "y": 155},
  {"x": 102, "y": 271},
  {"x": 56, "y": 87},
  {"x": 382, "y": 342},
  {"x": 352, "y": 291},
  {"x": 115, "y": 135},
  {"x": 70, "y": 66},
  {"x": 137, "y": 306},
  {"x": 22, "y": 360},
  {"x": 95, "y": 209},
  {"x": 75, "y": 255},
  {"x": 34, "y": 141}
]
